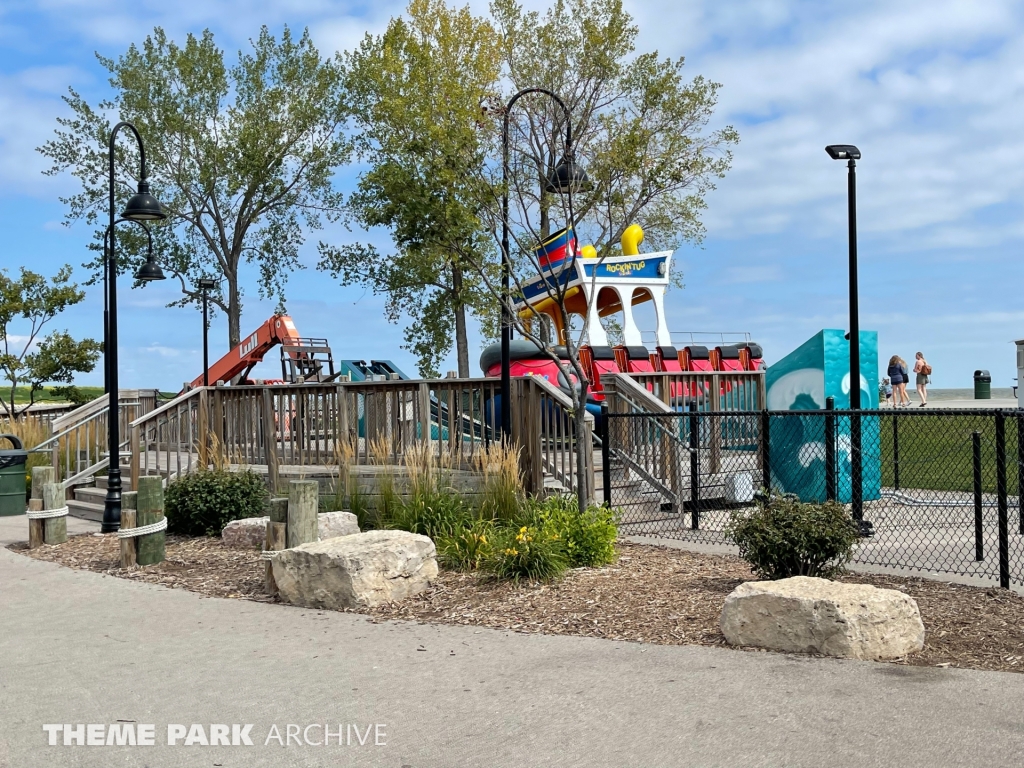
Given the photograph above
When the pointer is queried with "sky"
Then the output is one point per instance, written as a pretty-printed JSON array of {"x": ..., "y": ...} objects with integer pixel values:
[{"x": 931, "y": 92}]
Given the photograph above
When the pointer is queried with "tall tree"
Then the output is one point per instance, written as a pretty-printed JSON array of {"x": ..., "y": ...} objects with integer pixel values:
[
  {"x": 241, "y": 156},
  {"x": 639, "y": 127},
  {"x": 31, "y": 301},
  {"x": 417, "y": 93}
]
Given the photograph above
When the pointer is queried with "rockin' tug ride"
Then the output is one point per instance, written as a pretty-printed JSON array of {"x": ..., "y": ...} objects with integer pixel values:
[{"x": 595, "y": 288}]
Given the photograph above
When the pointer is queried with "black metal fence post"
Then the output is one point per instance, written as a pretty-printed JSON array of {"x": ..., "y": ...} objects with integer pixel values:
[
  {"x": 766, "y": 454},
  {"x": 830, "y": 449},
  {"x": 895, "y": 449},
  {"x": 856, "y": 467},
  {"x": 1020, "y": 472},
  {"x": 1004, "y": 537},
  {"x": 979, "y": 543},
  {"x": 694, "y": 467},
  {"x": 606, "y": 455}
]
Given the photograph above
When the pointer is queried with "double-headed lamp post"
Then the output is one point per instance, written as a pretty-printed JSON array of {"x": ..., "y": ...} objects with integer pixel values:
[
  {"x": 206, "y": 284},
  {"x": 563, "y": 178},
  {"x": 142, "y": 207},
  {"x": 851, "y": 154}
]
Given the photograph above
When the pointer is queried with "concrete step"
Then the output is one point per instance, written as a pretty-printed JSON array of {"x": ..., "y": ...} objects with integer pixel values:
[
  {"x": 90, "y": 495},
  {"x": 86, "y": 510},
  {"x": 126, "y": 480}
]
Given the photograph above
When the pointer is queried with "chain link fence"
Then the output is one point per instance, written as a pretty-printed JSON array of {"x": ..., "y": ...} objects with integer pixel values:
[{"x": 937, "y": 490}]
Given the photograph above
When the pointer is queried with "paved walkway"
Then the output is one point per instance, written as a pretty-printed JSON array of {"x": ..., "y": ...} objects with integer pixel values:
[{"x": 79, "y": 647}]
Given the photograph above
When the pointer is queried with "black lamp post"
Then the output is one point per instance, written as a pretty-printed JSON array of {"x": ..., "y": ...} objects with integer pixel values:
[
  {"x": 206, "y": 284},
  {"x": 149, "y": 259},
  {"x": 141, "y": 207},
  {"x": 851, "y": 154},
  {"x": 562, "y": 179}
]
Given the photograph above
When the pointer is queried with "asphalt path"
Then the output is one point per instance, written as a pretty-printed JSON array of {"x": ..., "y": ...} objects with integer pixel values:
[{"x": 80, "y": 649}]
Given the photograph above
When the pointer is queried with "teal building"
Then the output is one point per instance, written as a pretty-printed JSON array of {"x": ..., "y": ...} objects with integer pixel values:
[{"x": 801, "y": 381}]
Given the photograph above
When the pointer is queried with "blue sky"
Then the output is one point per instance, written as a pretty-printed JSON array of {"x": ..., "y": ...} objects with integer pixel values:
[{"x": 930, "y": 91}]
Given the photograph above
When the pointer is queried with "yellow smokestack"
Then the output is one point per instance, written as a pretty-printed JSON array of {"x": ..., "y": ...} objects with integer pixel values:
[{"x": 631, "y": 240}]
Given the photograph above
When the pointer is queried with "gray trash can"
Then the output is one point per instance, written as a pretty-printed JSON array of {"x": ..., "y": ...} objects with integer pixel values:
[
  {"x": 12, "y": 478},
  {"x": 982, "y": 385}
]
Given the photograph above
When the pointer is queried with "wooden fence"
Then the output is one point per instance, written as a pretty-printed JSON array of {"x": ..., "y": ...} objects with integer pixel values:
[{"x": 314, "y": 425}]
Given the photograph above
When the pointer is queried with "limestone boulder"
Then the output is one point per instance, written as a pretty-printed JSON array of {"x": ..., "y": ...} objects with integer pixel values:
[
  {"x": 809, "y": 615},
  {"x": 333, "y": 524},
  {"x": 356, "y": 571},
  {"x": 247, "y": 533}
]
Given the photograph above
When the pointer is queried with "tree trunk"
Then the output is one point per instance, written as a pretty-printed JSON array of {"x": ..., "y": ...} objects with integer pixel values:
[
  {"x": 234, "y": 312},
  {"x": 461, "y": 342}
]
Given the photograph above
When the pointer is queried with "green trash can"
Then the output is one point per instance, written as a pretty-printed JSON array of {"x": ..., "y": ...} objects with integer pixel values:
[
  {"x": 982, "y": 385},
  {"x": 12, "y": 478}
]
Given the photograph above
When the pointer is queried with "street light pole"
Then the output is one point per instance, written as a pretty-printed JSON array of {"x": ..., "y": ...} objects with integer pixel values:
[
  {"x": 562, "y": 178},
  {"x": 141, "y": 207},
  {"x": 854, "y": 307},
  {"x": 851, "y": 154},
  {"x": 205, "y": 285}
]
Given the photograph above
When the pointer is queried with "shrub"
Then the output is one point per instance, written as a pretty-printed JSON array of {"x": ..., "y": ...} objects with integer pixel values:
[
  {"x": 467, "y": 549},
  {"x": 202, "y": 503},
  {"x": 784, "y": 537},
  {"x": 527, "y": 552},
  {"x": 588, "y": 537},
  {"x": 434, "y": 512}
]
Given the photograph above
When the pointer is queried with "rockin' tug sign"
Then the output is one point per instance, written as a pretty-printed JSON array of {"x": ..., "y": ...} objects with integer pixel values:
[{"x": 595, "y": 288}]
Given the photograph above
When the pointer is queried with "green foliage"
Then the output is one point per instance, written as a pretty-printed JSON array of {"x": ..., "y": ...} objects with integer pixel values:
[
  {"x": 469, "y": 548},
  {"x": 588, "y": 537},
  {"x": 416, "y": 93},
  {"x": 526, "y": 553},
  {"x": 357, "y": 505},
  {"x": 34, "y": 300},
  {"x": 438, "y": 512},
  {"x": 202, "y": 503},
  {"x": 784, "y": 537},
  {"x": 241, "y": 155}
]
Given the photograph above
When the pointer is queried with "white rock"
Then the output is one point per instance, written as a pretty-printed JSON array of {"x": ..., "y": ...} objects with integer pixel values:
[
  {"x": 809, "y": 615},
  {"x": 360, "y": 570},
  {"x": 247, "y": 533},
  {"x": 332, "y": 524}
]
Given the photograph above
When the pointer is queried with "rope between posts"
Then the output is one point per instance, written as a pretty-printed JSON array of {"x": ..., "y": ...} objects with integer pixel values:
[
  {"x": 46, "y": 514},
  {"x": 144, "y": 530}
]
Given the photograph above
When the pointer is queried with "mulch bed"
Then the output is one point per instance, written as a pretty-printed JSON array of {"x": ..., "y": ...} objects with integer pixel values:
[{"x": 651, "y": 595}]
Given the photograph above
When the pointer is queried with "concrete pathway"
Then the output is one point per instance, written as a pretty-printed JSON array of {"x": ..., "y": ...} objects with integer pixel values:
[{"x": 81, "y": 648}]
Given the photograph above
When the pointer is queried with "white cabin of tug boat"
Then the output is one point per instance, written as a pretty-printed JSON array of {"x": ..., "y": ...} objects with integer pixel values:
[{"x": 596, "y": 288}]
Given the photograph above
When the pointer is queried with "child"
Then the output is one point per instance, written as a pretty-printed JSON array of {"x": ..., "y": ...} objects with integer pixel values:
[{"x": 887, "y": 388}]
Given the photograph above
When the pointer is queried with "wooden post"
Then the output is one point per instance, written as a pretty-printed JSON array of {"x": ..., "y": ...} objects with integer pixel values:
[
  {"x": 129, "y": 502},
  {"x": 203, "y": 422},
  {"x": 55, "y": 529},
  {"x": 276, "y": 540},
  {"x": 40, "y": 477},
  {"x": 424, "y": 409},
  {"x": 269, "y": 418},
  {"x": 150, "y": 548},
  {"x": 135, "y": 468},
  {"x": 303, "y": 496}
]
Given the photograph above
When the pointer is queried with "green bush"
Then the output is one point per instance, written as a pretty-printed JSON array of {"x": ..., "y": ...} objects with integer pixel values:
[
  {"x": 784, "y": 537},
  {"x": 436, "y": 512},
  {"x": 202, "y": 503},
  {"x": 588, "y": 538},
  {"x": 527, "y": 553},
  {"x": 467, "y": 549}
]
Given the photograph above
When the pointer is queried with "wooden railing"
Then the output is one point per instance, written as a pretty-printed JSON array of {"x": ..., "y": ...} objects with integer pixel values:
[
  {"x": 711, "y": 391},
  {"x": 78, "y": 445},
  {"x": 357, "y": 423}
]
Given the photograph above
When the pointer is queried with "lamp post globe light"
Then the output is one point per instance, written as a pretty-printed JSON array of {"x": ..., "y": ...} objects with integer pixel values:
[
  {"x": 142, "y": 207},
  {"x": 566, "y": 176},
  {"x": 206, "y": 284}
]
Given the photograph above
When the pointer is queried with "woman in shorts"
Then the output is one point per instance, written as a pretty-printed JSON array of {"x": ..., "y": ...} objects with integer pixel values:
[
  {"x": 922, "y": 371},
  {"x": 897, "y": 375}
]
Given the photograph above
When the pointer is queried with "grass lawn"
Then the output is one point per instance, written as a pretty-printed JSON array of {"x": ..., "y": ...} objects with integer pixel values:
[
  {"x": 935, "y": 451},
  {"x": 45, "y": 395}
]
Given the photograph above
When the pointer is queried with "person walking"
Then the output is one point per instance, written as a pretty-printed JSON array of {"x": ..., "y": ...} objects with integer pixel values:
[
  {"x": 922, "y": 371},
  {"x": 897, "y": 375}
]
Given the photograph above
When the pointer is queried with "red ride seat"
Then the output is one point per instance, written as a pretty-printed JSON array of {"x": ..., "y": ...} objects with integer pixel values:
[{"x": 602, "y": 360}]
